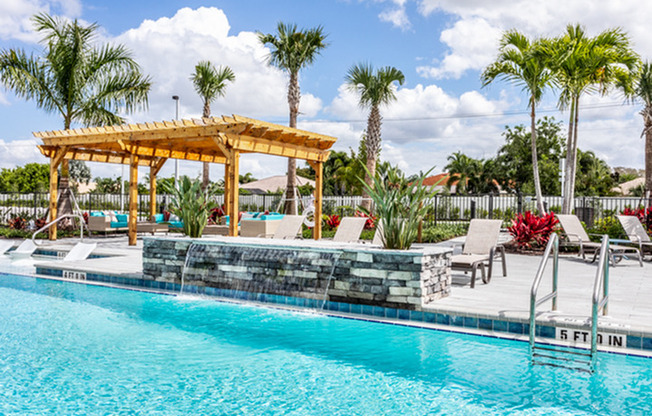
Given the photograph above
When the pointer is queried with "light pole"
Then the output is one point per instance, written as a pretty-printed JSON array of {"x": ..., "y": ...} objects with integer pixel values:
[{"x": 176, "y": 161}]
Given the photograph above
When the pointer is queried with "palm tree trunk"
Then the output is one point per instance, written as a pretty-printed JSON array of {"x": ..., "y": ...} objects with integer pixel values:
[
  {"x": 648, "y": 153},
  {"x": 574, "y": 156},
  {"x": 569, "y": 169},
  {"x": 294, "y": 98},
  {"x": 535, "y": 162},
  {"x": 206, "y": 171},
  {"x": 65, "y": 205},
  {"x": 373, "y": 149}
]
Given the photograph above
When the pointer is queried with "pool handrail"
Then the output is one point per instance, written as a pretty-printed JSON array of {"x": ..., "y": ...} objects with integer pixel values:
[
  {"x": 48, "y": 225},
  {"x": 601, "y": 281},
  {"x": 551, "y": 248}
]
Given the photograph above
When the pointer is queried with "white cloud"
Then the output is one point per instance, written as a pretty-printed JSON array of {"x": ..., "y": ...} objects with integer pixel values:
[
  {"x": 15, "y": 16},
  {"x": 395, "y": 14},
  {"x": 472, "y": 44},
  {"x": 422, "y": 127},
  {"x": 19, "y": 152},
  {"x": 472, "y": 38},
  {"x": 169, "y": 48}
]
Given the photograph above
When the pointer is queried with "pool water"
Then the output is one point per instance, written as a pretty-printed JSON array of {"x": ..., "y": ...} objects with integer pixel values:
[{"x": 69, "y": 348}]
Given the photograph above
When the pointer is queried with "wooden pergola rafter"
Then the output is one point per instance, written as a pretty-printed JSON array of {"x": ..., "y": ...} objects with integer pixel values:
[{"x": 215, "y": 140}]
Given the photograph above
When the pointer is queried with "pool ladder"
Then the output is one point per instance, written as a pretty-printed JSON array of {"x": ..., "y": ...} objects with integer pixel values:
[{"x": 572, "y": 357}]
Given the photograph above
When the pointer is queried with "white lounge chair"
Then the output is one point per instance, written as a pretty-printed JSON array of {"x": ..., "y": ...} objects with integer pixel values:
[
  {"x": 25, "y": 249},
  {"x": 80, "y": 251},
  {"x": 577, "y": 236},
  {"x": 349, "y": 230},
  {"x": 288, "y": 228},
  {"x": 5, "y": 245},
  {"x": 636, "y": 233},
  {"x": 480, "y": 247}
]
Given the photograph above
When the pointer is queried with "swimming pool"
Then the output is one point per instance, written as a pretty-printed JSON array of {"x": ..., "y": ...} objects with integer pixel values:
[{"x": 77, "y": 349}]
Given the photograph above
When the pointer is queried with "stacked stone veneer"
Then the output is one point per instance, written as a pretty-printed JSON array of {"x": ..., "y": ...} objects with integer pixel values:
[{"x": 389, "y": 278}]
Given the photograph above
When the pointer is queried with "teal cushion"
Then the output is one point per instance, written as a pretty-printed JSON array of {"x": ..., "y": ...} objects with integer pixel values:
[
  {"x": 158, "y": 217},
  {"x": 176, "y": 224},
  {"x": 97, "y": 214},
  {"x": 121, "y": 217},
  {"x": 119, "y": 224}
]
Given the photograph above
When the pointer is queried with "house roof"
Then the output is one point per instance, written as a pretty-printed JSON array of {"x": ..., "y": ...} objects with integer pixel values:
[{"x": 273, "y": 184}]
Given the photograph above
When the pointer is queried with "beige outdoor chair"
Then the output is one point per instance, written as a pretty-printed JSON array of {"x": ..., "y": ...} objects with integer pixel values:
[
  {"x": 288, "y": 228},
  {"x": 636, "y": 233},
  {"x": 577, "y": 236},
  {"x": 378, "y": 235},
  {"x": 481, "y": 247},
  {"x": 350, "y": 229}
]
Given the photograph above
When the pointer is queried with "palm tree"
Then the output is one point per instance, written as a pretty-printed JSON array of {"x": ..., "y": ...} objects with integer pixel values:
[
  {"x": 83, "y": 83},
  {"x": 524, "y": 63},
  {"x": 588, "y": 65},
  {"x": 643, "y": 90},
  {"x": 210, "y": 83},
  {"x": 292, "y": 50},
  {"x": 462, "y": 170},
  {"x": 375, "y": 89}
]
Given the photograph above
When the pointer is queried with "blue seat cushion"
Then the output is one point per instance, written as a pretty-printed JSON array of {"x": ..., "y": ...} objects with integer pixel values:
[
  {"x": 158, "y": 217},
  {"x": 121, "y": 217},
  {"x": 119, "y": 224}
]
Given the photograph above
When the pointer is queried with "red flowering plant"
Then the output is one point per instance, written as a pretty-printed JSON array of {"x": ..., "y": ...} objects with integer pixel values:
[
  {"x": 84, "y": 215},
  {"x": 215, "y": 215},
  {"x": 17, "y": 223},
  {"x": 371, "y": 220},
  {"x": 40, "y": 222},
  {"x": 332, "y": 221},
  {"x": 530, "y": 230}
]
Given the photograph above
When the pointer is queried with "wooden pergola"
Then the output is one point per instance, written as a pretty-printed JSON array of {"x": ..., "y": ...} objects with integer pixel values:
[{"x": 215, "y": 140}]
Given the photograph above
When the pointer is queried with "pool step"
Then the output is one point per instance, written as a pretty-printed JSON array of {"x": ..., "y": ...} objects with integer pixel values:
[{"x": 562, "y": 356}]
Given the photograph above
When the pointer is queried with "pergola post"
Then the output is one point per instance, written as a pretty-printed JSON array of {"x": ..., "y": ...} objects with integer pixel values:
[
  {"x": 319, "y": 196},
  {"x": 227, "y": 188},
  {"x": 153, "y": 171},
  {"x": 56, "y": 159},
  {"x": 54, "y": 176},
  {"x": 233, "y": 185},
  {"x": 133, "y": 198}
]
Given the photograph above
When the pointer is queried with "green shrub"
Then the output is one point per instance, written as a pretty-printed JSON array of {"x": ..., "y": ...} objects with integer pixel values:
[
  {"x": 191, "y": 205},
  {"x": 608, "y": 225},
  {"x": 443, "y": 232}
]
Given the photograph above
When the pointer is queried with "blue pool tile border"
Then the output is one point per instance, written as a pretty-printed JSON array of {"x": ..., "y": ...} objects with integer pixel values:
[{"x": 445, "y": 319}]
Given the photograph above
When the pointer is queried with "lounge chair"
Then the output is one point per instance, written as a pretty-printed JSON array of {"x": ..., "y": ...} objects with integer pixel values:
[
  {"x": 481, "y": 246},
  {"x": 80, "y": 251},
  {"x": 349, "y": 229},
  {"x": 5, "y": 245},
  {"x": 378, "y": 235},
  {"x": 636, "y": 233},
  {"x": 288, "y": 228},
  {"x": 577, "y": 236},
  {"x": 25, "y": 249}
]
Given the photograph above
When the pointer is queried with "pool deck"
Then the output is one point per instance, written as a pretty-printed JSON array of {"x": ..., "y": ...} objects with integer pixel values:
[{"x": 630, "y": 304}]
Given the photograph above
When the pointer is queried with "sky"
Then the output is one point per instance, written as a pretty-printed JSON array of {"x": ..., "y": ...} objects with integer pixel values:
[{"x": 441, "y": 46}]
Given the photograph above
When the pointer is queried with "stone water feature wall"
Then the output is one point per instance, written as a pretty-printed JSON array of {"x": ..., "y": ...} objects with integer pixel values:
[{"x": 353, "y": 274}]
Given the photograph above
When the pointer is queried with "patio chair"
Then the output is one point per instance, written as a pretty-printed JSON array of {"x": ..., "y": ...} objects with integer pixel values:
[
  {"x": 288, "y": 228},
  {"x": 481, "y": 246},
  {"x": 577, "y": 236},
  {"x": 636, "y": 233},
  {"x": 350, "y": 229},
  {"x": 25, "y": 249}
]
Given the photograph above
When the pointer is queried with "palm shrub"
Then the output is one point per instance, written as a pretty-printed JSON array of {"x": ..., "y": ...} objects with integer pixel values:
[
  {"x": 399, "y": 206},
  {"x": 191, "y": 204}
]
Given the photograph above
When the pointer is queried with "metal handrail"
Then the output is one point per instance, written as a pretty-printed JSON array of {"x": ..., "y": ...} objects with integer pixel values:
[
  {"x": 601, "y": 280},
  {"x": 46, "y": 226},
  {"x": 551, "y": 247}
]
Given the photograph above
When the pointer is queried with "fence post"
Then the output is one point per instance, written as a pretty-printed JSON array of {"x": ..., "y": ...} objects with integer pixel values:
[
  {"x": 436, "y": 208},
  {"x": 491, "y": 206},
  {"x": 519, "y": 202},
  {"x": 35, "y": 213},
  {"x": 472, "y": 209}
]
